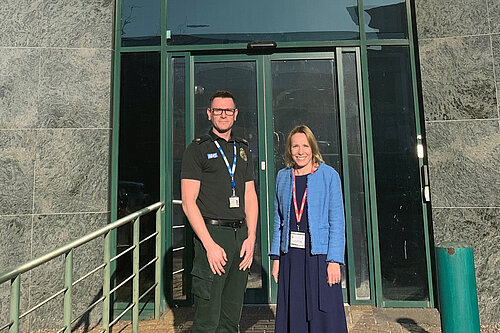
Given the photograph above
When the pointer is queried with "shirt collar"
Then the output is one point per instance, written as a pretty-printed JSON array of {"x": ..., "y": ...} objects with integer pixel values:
[{"x": 214, "y": 136}]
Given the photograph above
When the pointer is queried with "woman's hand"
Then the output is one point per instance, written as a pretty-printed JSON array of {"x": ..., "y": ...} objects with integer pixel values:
[
  {"x": 276, "y": 269},
  {"x": 333, "y": 273}
]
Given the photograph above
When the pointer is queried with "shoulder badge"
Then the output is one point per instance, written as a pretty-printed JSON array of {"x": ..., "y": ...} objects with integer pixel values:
[
  {"x": 238, "y": 139},
  {"x": 201, "y": 139},
  {"x": 243, "y": 155}
]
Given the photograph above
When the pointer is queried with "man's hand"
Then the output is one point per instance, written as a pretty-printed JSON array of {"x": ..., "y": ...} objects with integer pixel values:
[
  {"x": 246, "y": 253},
  {"x": 333, "y": 272},
  {"x": 276, "y": 270},
  {"x": 216, "y": 257}
]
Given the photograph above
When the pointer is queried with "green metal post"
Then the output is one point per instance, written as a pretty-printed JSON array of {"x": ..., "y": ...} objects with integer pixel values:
[
  {"x": 15, "y": 292},
  {"x": 159, "y": 264},
  {"x": 106, "y": 286},
  {"x": 68, "y": 285},
  {"x": 457, "y": 288},
  {"x": 135, "y": 280}
]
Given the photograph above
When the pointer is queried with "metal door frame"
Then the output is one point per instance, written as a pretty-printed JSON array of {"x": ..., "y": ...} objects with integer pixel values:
[{"x": 266, "y": 156}]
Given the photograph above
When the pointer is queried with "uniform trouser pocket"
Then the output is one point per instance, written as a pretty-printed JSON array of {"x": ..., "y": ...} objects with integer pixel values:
[{"x": 202, "y": 282}]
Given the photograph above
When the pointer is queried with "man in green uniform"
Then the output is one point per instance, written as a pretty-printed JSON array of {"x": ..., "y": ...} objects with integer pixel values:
[{"x": 220, "y": 202}]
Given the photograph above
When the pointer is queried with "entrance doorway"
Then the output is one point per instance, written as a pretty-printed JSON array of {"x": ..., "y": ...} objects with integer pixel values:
[{"x": 273, "y": 94}]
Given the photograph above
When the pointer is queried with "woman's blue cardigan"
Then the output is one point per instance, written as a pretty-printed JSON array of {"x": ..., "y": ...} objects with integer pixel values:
[{"x": 325, "y": 211}]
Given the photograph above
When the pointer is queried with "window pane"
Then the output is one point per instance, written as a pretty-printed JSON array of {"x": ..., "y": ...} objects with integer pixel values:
[
  {"x": 305, "y": 92},
  {"x": 181, "y": 259},
  {"x": 141, "y": 22},
  {"x": 139, "y": 152},
  {"x": 224, "y": 21},
  {"x": 356, "y": 178},
  {"x": 399, "y": 203},
  {"x": 179, "y": 119},
  {"x": 385, "y": 19}
]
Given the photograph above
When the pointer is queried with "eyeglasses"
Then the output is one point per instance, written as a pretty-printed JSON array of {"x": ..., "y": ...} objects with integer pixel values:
[{"x": 218, "y": 112}]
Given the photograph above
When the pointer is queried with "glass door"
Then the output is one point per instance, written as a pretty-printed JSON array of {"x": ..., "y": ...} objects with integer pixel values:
[
  {"x": 322, "y": 91},
  {"x": 201, "y": 76},
  {"x": 239, "y": 75},
  {"x": 273, "y": 94}
]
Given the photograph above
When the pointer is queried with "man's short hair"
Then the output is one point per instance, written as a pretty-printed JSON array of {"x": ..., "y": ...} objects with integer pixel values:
[{"x": 222, "y": 94}]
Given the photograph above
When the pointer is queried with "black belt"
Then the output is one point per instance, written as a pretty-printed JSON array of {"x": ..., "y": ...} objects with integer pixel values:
[{"x": 226, "y": 223}]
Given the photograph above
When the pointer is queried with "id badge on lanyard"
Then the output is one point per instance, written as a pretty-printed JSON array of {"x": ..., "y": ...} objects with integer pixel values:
[
  {"x": 298, "y": 239},
  {"x": 234, "y": 201}
]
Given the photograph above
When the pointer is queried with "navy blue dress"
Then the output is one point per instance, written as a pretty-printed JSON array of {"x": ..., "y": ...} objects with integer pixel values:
[{"x": 306, "y": 303}]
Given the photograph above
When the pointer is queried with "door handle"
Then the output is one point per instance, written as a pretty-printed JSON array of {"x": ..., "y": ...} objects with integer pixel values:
[{"x": 426, "y": 192}]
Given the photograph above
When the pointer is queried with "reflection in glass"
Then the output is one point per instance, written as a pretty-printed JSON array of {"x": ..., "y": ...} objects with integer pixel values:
[
  {"x": 225, "y": 21},
  {"x": 356, "y": 178},
  {"x": 240, "y": 79},
  {"x": 141, "y": 22},
  {"x": 399, "y": 203},
  {"x": 385, "y": 19},
  {"x": 181, "y": 261},
  {"x": 138, "y": 162},
  {"x": 305, "y": 92}
]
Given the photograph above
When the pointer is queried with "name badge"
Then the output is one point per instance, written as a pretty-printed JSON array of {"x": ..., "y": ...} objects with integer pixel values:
[
  {"x": 211, "y": 155},
  {"x": 298, "y": 240},
  {"x": 234, "y": 201}
]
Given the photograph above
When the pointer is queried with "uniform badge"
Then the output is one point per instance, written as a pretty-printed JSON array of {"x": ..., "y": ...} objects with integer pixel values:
[
  {"x": 211, "y": 155},
  {"x": 243, "y": 155}
]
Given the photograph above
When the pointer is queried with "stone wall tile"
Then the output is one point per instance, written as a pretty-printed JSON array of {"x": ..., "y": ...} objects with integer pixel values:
[
  {"x": 72, "y": 171},
  {"x": 495, "y": 43},
  {"x": 464, "y": 159},
  {"x": 445, "y": 18},
  {"x": 20, "y": 23},
  {"x": 75, "y": 88},
  {"x": 17, "y": 157},
  {"x": 480, "y": 228},
  {"x": 494, "y": 15},
  {"x": 19, "y": 69},
  {"x": 49, "y": 233},
  {"x": 15, "y": 248},
  {"x": 78, "y": 24},
  {"x": 457, "y": 78}
]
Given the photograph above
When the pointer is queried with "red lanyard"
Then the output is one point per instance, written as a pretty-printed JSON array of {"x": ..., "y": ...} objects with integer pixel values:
[{"x": 298, "y": 215}]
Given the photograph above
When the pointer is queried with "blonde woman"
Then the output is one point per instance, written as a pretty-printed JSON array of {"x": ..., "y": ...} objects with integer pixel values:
[{"x": 308, "y": 240}]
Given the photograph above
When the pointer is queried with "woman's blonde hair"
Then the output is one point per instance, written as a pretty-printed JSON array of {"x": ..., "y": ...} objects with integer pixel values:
[{"x": 316, "y": 155}]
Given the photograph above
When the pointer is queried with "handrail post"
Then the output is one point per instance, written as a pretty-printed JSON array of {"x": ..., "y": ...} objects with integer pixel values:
[
  {"x": 159, "y": 262},
  {"x": 135, "y": 280},
  {"x": 68, "y": 285},
  {"x": 15, "y": 292},
  {"x": 106, "y": 286}
]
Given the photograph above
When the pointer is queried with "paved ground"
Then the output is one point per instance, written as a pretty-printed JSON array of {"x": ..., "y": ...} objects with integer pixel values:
[
  {"x": 261, "y": 320},
  {"x": 360, "y": 319}
]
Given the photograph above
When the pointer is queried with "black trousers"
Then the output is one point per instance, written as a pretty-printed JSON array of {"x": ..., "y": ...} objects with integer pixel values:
[{"x": 219, "y": 299}]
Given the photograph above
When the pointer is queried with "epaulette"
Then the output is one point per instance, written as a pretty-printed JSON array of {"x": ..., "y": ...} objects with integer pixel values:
[
  {"x": 241, "y": 140},
  {"x": 202, "y": 138}
]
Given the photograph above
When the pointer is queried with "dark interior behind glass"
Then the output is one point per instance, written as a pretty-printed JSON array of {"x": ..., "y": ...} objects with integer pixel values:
[{"x": 139, "y": 159}]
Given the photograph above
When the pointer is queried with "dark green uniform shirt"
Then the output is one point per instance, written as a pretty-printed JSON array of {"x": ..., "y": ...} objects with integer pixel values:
[{"x": 202, "y": 161}]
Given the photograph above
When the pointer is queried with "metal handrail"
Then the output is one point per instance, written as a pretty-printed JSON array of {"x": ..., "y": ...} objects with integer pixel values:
[
  {"x": 9, "y": 275},
  {"x": 14, "y": 275}
]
